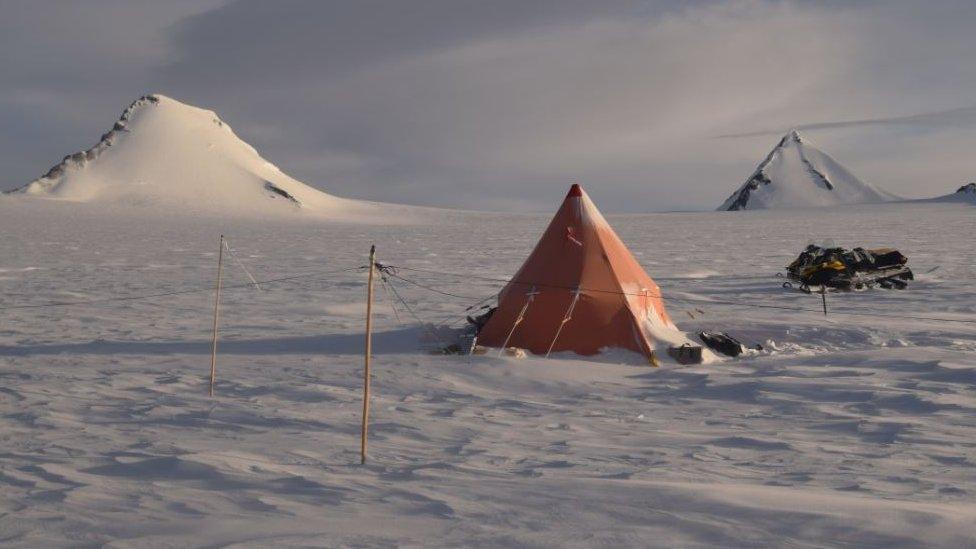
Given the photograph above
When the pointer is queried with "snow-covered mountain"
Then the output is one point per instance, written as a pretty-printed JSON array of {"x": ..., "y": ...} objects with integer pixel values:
[
  {"x": 170, "y": 156},
  {"x": 796, "y": 174},
  {"x": 966, "y": 193}
]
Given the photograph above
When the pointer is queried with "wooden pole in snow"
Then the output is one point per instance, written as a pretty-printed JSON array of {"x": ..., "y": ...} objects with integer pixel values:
[
  {"x": 369, "y": 350},
  {"x": 823, "y": 297},
  {"x": 213, "y": 345}
]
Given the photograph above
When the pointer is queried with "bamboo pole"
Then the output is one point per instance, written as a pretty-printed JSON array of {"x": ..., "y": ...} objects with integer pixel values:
[
  {"x": 369, "y": 350},
  {"x": 213, "y": 345},
  {"x": 823, "y": 297}
]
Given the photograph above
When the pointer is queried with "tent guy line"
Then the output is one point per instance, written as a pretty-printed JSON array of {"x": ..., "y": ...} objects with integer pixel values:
[
  {"x": 391, "y": 270},
  {"x": 140, "y": 297},
  {"x": 233, "y": 254},
  {"x": 392, "y": 273},
  {"x": 672, "y": 298},
  {"x": 406, "y": 305}
]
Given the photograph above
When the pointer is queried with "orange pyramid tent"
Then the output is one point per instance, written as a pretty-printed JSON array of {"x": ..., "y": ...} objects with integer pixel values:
[{"x": 580, "y": 290}]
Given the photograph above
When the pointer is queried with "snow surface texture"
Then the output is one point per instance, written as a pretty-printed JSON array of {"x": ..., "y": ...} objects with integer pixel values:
[
  {"x": 796, "y": 174},
  {"x": 165, "y": 154},
  {"x": 851, "y": 431}
]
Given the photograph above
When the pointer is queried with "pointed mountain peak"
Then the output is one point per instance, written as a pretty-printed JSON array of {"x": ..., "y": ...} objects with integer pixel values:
[
  {"x": 165, "y": 154},
  {"x": 795, "y": 174}
]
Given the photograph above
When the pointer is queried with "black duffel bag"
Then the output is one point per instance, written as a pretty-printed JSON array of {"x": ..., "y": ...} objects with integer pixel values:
[{"x": 722, "y": 343}]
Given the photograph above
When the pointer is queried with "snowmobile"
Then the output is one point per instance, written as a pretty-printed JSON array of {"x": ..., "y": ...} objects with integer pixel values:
[{"x": 842, "y": 269}]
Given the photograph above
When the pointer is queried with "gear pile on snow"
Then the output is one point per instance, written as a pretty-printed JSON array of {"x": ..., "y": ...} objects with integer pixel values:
[{"x": 844, "y": 269}]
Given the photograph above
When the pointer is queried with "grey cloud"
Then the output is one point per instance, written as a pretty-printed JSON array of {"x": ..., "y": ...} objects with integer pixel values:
[
  {"x": 474, "y": 105},
  {"x": 303, "y": 39},
  {"x": 500, "y": 104},
  {"x": 67, "y": 69}
]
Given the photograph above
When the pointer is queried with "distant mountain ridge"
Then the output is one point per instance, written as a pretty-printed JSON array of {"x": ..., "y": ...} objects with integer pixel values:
[
  {"x": 966, "y": 193},
  {"x": 795, "y": 174}
]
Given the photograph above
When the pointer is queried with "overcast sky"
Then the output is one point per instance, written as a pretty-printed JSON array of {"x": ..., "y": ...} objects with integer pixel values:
[{"x": 500, "y": 104}]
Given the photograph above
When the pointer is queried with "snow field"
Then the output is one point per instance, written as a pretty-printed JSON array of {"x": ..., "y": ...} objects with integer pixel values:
[{"x": 850, "y": 431}]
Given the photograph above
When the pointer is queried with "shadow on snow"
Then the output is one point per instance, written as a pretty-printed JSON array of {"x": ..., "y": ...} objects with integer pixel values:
[{"x": 401, "y": 340}]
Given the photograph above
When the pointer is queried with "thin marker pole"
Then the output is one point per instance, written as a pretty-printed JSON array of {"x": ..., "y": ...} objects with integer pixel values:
[
  {"x": 369, "y": 350},
  {"x": 823, "y": 297},
  {"x": 213, "y": 345}
]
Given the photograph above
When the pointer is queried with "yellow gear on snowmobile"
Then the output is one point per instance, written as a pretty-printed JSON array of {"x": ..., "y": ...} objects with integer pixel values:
[{"x": 835, "y": 265}]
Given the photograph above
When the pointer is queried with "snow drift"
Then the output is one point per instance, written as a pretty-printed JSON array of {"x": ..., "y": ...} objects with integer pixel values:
[
  {"x": 170, "y": 156},
  {"x": 796, "y": 174}
]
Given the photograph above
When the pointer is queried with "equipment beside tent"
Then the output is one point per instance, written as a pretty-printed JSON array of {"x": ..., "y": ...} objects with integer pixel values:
[
  {"x": 686, "y": 354},
  {"x": 581, "y": 290},
  {"x": 855, "y": 269},
  {"x": 722, "y": 343}
]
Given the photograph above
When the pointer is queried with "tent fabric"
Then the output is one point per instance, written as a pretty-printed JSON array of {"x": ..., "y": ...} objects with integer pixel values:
[{"x": 580, "y": 290}]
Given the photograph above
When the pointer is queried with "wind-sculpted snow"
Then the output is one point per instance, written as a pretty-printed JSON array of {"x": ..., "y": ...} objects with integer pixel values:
[
  {"x": 795, "y": 174},
  {"x": 847, "y": 431}
]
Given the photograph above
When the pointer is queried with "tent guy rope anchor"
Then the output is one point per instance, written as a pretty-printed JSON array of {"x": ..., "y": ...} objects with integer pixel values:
[
  {"x": 567, "y": 318},
  {"x": 521, "y": 316}
]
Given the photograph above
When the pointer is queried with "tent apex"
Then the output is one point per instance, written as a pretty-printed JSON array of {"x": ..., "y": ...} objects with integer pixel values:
[{"x": 575, "y": 190}]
